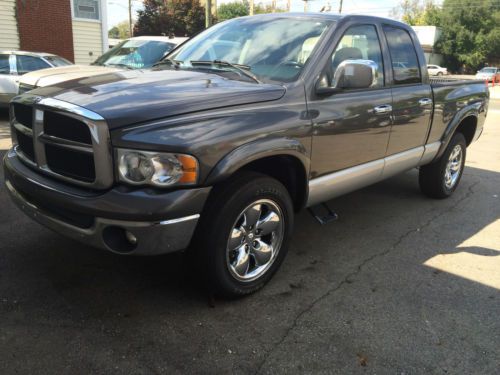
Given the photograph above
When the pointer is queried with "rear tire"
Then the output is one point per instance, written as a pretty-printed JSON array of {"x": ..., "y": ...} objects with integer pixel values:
[
  {"x": 243, "y": 234},
  {"x": 440, "y": 179},
  {"x": 440, "y": 73}
]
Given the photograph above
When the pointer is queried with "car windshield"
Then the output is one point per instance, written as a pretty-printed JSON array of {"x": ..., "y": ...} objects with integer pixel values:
[
  {"x": 135, "y": 53},
  {"x": 488, "y": 70},
  {"x": 272, "y": 49},
  {"x": 57, "y": 60}
]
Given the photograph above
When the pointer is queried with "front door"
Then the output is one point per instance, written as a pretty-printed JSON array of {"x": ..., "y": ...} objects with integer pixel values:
[{"x": 352, "y": 126}]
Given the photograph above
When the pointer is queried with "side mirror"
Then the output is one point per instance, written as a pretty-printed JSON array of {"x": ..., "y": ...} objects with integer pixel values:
[{"x": 350, "y": 74}]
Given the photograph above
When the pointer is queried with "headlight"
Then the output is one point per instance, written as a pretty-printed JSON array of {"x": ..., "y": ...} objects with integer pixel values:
[{"x": 156, "y": 168}]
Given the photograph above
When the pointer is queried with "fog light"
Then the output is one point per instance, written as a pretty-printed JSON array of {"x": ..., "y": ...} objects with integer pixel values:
[{"x": 130, "y": 237}]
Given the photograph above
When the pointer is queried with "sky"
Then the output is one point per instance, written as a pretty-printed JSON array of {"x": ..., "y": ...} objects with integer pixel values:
[{"x": 118, "y": 9}]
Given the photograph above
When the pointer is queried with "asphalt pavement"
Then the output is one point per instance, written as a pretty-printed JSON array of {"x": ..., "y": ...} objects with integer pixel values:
[{"x": 401, "y": 284}]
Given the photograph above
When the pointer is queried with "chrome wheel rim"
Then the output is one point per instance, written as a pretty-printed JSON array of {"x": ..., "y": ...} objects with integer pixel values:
[
  {"x": 255, "y": 240},
  {"x": 453, "y": 167}
]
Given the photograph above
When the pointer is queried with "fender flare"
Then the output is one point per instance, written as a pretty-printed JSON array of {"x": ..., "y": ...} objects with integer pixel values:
[
  {"x": 256, "y": 150},
  {"x": 467, "y": 111}
]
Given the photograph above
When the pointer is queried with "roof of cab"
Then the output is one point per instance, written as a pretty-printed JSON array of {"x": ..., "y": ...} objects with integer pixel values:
[{"x": 332, "y": 17}]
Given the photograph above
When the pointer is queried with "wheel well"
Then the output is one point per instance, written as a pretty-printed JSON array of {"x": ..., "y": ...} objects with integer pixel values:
[
  {"x": 468, "y": 128},
  {"x": 288, "y": 170}
]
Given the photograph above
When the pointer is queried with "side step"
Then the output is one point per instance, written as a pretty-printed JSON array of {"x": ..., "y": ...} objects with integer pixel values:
[{"x": 327, "y": 215}]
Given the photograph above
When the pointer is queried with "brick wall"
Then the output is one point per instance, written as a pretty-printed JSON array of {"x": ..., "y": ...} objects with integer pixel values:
[{"x": 45, "y": 26}]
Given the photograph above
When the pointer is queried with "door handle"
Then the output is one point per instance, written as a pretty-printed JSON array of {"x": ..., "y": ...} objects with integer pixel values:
[
  {"x": 425, "y": 102},
  {"x": 385, "y": 108}
]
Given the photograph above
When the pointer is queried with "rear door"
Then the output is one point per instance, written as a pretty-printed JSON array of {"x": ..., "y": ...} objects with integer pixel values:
[
  {"x": 411, "y": 93},
  {"x": 353, "y": 125}
]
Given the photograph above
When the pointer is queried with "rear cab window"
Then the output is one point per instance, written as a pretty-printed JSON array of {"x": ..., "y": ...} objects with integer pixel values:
[{"x": 405, "y": 66}]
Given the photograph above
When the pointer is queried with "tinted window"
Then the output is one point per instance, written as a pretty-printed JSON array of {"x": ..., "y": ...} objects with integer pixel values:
[
  {"x": 27, "y": 64},
  {"x": 405, "y": 65},
  {"x": 4, "y": 64},
  {"x": 360, "y": 42}
]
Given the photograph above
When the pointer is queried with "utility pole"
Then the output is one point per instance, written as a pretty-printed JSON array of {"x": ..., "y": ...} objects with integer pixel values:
[
  {"x": 273, "y": 6},
  {"x": 305, "y": 6},
  {"x": 131, "y": 31},
  {"x": 208, "y": 13},
  {"x": 288, "y": 5},
  {"x": 251, "y": 7},
  {"x": 340, "y": 7}
]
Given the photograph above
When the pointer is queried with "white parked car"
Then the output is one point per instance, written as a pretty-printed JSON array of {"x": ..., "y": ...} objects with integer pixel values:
[
  {"x": 16, "y": 63},
  {"x": 489, "y": 73},
  {"x": 436, "y": 70},
  {"x": 134, "y": 53}
]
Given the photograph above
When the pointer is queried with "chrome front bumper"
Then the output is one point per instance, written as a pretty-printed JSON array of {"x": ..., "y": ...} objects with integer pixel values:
[{"x": 118, "y": 236}]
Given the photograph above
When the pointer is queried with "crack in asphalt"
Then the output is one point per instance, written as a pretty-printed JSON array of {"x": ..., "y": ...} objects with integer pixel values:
[{"x": 348, "y": 279}]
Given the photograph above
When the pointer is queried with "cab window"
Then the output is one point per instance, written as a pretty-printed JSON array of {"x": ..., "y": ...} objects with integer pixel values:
[
  {"x": 359, "y": 42},
  {"x": 405, "y": 67}
]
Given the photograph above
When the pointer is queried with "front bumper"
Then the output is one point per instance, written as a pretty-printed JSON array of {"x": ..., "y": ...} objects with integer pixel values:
[{"x": 134, "y": 221}]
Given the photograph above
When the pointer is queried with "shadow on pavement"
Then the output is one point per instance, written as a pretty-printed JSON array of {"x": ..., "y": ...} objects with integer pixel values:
[{"x": 356, "y": 286}]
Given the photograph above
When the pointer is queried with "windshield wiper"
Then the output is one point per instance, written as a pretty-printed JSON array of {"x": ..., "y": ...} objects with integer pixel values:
[
  {"x": 120, "y": 65},
  {"x": 240, "y": 68},
  {"x": 171, "y": 62}
]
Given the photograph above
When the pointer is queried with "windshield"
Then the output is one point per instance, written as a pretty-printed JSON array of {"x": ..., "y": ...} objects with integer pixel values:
[
  {"x": 273, "y": 49},
  {"x": 488, "y": 70},
  {"x": 57, "y": 61},
  {"x": 135, "y": 53}
]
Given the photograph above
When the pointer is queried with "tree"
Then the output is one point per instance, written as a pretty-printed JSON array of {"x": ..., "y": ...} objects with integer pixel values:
[
  {"x": 120, "y": 31},
  {"x": 415, "y": 12},
  {"x": 263, "y": 9},
  {"x": 170, "y": 17},
  {"x": 232, "y": 10},
  {"x": 470, "y": 34}
]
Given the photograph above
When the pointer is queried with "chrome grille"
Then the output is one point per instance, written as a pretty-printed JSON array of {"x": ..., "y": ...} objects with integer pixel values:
[{"x": 63, "y": 140}]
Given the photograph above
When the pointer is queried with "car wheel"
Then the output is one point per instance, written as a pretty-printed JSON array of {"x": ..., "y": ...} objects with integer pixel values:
[
  {"x": 440, "y": 179},
  {"x": 243, "y": 234},
  {"x": 440, "y": 73}
]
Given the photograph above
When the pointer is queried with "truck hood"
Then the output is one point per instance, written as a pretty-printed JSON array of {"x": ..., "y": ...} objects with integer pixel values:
[
  {"x": 129, "y": 97},
  {"x": 52, "y": 76}
]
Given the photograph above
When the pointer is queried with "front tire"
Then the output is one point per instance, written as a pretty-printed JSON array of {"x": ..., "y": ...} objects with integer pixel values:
[
  {"x": 243, "y": 234},
  {"x": 440, "y": 179}
]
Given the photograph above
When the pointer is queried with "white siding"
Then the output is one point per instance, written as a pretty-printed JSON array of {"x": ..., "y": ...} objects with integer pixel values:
[
  {"x": 87, "y": 37},
  {"x": 9, "y": 37}
]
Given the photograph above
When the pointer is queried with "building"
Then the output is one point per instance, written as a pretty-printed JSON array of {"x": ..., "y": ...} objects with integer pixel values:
[
  {"x": 428, "y": 37},
  {"x": 74, "y": 29}
]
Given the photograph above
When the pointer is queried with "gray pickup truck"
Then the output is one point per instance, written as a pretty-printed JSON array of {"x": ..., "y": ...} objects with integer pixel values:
[{"x": 215, "y": 148}]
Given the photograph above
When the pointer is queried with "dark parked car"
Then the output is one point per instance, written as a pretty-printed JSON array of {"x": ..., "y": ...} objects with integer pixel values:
[{"x": 217, "y": 147}]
